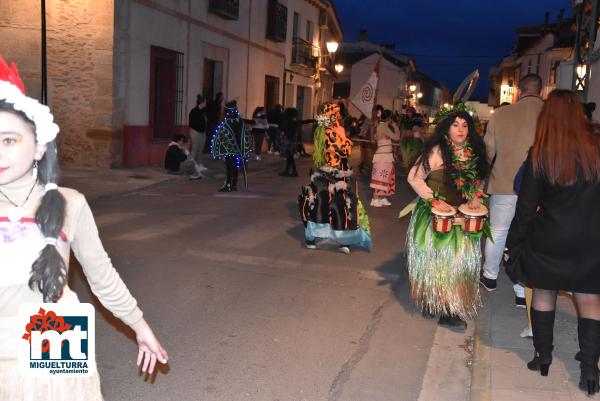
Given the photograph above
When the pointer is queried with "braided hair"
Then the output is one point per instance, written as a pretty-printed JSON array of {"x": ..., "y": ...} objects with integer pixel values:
[{"x": 48, "y": 271}]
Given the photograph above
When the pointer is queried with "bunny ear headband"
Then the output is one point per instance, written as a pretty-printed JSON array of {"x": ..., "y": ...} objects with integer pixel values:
[{"x": 12, "y": 91}]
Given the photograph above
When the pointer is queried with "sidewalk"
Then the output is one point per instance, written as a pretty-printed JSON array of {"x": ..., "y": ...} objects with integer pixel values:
[
  {"x": 499, "y": 370},
  {"x": 95, "y": 182}
]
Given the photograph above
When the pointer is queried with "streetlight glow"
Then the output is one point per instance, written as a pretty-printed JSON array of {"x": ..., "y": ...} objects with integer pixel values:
[
  {"x": 413, "y": 87},
  {"x": 332, "y": 46},
  {"x": 339, "y": 68},
  {"x": 419, "y": 95}
]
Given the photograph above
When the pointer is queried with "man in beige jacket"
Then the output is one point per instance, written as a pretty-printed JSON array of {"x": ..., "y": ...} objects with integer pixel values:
[{"x": 508, "y": 137}]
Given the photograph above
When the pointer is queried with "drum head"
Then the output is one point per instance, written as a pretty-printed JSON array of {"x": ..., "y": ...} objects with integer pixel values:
[
  {"x": 443, "y": 214},
  {"x": 467, "y": 211}
]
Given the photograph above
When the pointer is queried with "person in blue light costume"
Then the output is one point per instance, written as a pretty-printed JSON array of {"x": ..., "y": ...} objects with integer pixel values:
[{"x": 231, "y": 142}]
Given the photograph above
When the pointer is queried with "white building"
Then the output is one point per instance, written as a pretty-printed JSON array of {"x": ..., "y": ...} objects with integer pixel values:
[{"x": 123, "y": 74}]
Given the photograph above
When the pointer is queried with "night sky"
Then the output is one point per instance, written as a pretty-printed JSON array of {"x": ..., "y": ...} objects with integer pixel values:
[{"x": 448, "y": 39}]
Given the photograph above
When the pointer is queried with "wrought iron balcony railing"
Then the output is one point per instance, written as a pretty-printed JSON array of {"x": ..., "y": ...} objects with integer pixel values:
[{"x": 302, "y": 53}]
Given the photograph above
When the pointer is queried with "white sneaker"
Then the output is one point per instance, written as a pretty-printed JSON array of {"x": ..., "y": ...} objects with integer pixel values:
[
  {"x": 344, "y": 249},
  {"x": 526, "y": 333},
  {"x": 384, "y": 202},
  {"x": 376, "y": 202},
  {"x": 195, "y": 177},
  {"x": 257, "y": 157},
  {"x": 270, "y": 151},
  {"x": 202, "y": 167},
  {"x": 276, "y": 153}
]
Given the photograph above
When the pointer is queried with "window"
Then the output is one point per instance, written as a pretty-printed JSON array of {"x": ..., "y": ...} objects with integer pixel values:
[
  {"x": 228, "y": 9},
  {"x": 276, "y": 21},
  {"x": 166, "y": 91},
  {"x": 553, "y": 73},
  {"x": 309, "y": 32},
  {"x": 296, "y": 25},
  {"x": 271, "y": 92}
]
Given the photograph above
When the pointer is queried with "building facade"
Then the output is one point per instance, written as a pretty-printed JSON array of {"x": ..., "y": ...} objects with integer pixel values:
[
  {"x": 538, "y": 49},
  {"x": 397, "y": 73},
  {"x": 123, "y": 74}
]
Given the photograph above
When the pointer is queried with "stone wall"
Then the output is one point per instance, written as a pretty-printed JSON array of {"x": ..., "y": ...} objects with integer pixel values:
[{"x": 80, "y": 71}]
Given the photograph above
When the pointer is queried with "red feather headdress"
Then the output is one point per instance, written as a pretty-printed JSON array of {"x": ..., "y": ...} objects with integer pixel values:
[
  {"x": 10, "y": 74},
  {"x": 12, "y": 91}
]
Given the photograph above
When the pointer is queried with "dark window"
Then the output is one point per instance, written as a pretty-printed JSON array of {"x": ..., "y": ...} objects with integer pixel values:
[
  {"x": 276, "y": 21},
  {"x": 309, "y": 32},
  {"x": 228, "y": 9},
  {"x": 271, "y": 92},
  {"x": 296, "y": 25},
  {"x": 166, "y": 91}
]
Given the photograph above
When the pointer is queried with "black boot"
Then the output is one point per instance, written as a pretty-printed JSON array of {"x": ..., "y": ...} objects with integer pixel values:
[
  {"x": 226, "y": 188},
  {"x": 589, "y": 344},
  {"x": 542, "y": 325}
]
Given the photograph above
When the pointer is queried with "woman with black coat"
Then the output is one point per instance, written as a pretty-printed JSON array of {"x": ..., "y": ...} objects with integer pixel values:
[{"x": 553, "y": 242}]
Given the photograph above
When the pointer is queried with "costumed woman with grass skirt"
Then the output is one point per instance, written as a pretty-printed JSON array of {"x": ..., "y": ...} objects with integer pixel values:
[
  {"x": 444, "y": 262},
  {"x": 329, "y": 207}
]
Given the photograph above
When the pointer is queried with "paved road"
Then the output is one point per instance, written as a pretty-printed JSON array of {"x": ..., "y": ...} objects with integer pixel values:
[{"x": 247, "y": 313}]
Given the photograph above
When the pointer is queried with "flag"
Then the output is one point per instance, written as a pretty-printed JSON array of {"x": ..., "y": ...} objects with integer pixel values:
[{"x": 364, "y": 100}]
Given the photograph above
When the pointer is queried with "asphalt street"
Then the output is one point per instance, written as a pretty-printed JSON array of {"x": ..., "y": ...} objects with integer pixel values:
[{"x": 244, "y": 310}]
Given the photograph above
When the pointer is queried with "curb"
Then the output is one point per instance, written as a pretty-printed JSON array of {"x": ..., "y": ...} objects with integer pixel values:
[{"x": 481, "y": 369}]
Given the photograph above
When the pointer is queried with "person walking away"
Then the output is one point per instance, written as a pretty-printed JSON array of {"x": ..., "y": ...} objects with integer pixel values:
[
  {"x": 274, "y": 117},
  {"x": 553, "y": 243},
  {"x": 509, "y": 135},
  {"x": 383, "y": 177},
  {"x": 197, "y": 121},
  {"x": 290, "y": 126},
  {"x": 259, "y": 129}
]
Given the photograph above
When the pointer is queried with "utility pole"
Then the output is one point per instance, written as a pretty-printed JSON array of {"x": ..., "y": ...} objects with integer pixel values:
[{"x": 44, "y": 91}]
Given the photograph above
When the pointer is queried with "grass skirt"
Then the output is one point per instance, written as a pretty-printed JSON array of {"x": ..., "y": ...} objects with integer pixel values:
[
  {"x": 14, "y": 387},
  {"x": 443, "y": 280}
]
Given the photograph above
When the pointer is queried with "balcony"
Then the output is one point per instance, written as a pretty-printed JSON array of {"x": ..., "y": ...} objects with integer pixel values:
[
  {"x": 302, "y": 53},
  {"x": 228, "y": 9}
]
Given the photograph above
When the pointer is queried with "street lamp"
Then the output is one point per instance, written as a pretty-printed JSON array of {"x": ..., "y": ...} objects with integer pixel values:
[
  {"x": 446, "y": 105},
  {"x": 413, "y": 87},
  {"x": 44, "y": 91},
  {"x": 419, "y": 95},
  {"x": 332, "y": 46},
  {"x": 339, "y": 68}
]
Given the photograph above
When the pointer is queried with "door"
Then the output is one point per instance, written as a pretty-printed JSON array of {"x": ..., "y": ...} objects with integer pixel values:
[
  {"x": 163, "y": 92},
  {"x": 212, "y": 78},
  {"x": 271, "y": 92}
]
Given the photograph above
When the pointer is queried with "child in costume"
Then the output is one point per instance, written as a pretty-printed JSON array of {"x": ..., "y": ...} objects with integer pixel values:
[
  {"x": 328, "y": 207},
  {"x": 40, "y": 223},
  {"x": 444, "y": 268},
  {"x": 383, "y": 176}
]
